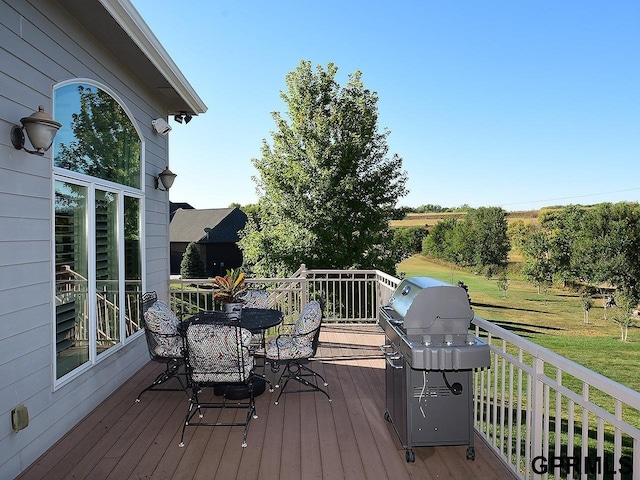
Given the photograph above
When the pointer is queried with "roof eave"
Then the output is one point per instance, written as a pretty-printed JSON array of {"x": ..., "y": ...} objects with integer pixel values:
[{"x": 136, "y": 28}]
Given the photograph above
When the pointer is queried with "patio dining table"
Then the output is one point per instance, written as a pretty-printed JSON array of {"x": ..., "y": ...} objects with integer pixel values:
[{"x": 256, "y": 320}]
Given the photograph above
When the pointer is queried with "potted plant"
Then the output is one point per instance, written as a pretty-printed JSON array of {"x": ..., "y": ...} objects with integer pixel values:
[{"x": 228, "y": 289}]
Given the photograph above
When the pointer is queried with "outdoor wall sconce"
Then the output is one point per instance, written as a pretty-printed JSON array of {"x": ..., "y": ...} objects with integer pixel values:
[
  {"x": 41, "y": 130},
  {"x": 182, "y": 116},
  {"x": 165, "y": 178}
]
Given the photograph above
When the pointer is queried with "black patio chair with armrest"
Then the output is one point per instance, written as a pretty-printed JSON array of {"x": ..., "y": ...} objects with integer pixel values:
[
  {"x": 163, "y": 341},
  {"x": 256, "y": 299},
  {"x": 218, "y": 355},
  {"x": 294, "y": 350}
]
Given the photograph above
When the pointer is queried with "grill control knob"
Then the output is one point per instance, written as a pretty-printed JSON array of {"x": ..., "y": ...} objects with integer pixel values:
[
  {"x": 471, "y": 339},
  {"x": 426, "y": 339},
  {"x": 448, "y": 339}
]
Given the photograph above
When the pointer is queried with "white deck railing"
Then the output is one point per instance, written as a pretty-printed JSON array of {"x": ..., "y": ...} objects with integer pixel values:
[
  {"x": 348, "y": 295},
  {"x": 544, "y": 415},
  {"x": 549, "y": 417}
]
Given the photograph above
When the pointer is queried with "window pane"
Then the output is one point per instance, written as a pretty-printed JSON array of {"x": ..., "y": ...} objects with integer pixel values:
[
  {"x": 132, "y": 263},
  {"x": 107, "y": 297},
  {"x": 72, "y": 312},
  {"x": 96, "y": 138}
]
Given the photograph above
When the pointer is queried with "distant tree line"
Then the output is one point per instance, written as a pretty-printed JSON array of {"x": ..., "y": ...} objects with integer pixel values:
[
  {"x": 590, "y": 246},
  {"x": 478, "y": 240},
  {"x": 586, "y": 247},
  {"x": 430, "y": 208}
]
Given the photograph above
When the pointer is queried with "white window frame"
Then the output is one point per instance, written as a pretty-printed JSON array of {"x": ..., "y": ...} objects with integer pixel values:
[{"x": 92, "y": 184}]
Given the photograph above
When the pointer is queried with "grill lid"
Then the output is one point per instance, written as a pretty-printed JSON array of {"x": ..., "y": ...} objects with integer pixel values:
[{"x": 424, "y": 305}]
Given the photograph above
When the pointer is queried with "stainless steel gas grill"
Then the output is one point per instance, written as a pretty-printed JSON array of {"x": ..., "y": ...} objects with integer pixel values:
[{"x": 430, "y": 357}]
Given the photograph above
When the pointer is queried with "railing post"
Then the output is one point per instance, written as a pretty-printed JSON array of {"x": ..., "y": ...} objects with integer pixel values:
[
  {"x": 537, "y": 412},
  {"x": 304, "y": 285},
  {"x": 377, "y": 302}
]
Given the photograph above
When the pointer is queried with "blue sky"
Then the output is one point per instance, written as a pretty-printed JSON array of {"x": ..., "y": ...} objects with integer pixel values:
[{"x": 514, "y": 103}]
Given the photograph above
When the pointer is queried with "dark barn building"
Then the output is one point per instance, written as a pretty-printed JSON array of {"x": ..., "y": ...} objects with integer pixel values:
[{"x": 215, "y": 231}]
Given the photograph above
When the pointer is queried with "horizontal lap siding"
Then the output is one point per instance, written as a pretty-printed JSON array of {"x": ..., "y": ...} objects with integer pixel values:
[{"x": 41, "y": 45}]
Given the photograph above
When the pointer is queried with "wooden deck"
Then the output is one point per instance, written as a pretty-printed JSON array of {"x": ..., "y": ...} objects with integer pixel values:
[{"x": 302, "y": 437}]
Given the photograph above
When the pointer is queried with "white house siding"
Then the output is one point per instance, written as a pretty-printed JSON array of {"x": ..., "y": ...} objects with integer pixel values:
[{"x": 41, "y": 45}]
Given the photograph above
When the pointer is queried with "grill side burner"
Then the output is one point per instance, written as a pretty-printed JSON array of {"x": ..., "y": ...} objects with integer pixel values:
[{"x": 430, "y": 355}]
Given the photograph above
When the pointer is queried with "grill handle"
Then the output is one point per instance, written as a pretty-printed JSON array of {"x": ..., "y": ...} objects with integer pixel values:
[
  {"x": 391, "y": 315},
  {"x": 388, "y": 349},
  {"x": 391, "y": 355},
  {"x": 391, "y": 359}
]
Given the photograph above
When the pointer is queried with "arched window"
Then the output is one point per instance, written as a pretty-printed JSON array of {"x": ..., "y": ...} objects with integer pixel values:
[{"x": 97, "y": 159}]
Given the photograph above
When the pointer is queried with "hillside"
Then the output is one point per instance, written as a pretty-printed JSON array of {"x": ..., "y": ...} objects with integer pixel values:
[{"x": 430, "y": 219}]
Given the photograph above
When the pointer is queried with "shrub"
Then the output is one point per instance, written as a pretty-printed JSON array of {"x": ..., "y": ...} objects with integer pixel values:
[{"x": 192, "y": 265}]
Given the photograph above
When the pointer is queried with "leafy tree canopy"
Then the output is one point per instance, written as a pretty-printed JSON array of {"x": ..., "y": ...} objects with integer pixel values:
[
  {"x": 594, "y": 245},
  {"x": 327, "y": 186},
  {"x": 479, "y": 240},
  {"x": 607, "y": 246}
]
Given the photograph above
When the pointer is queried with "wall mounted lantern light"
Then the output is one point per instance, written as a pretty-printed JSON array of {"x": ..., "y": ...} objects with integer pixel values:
[
  {"x": 165, "y": 178},
  {"x": 41, "y": 130}
]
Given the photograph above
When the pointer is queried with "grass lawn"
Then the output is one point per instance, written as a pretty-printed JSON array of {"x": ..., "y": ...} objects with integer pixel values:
[{"x": 554, "y": 319}]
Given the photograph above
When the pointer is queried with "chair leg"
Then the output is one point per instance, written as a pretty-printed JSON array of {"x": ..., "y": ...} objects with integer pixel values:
[
  {"x": 171, "y": 371},
  {"x": 251, "y": 413},
  {"x": 196, "y": 407},
  {"x": 193, "y": 400},
  {"x": 263, "y": 375},
  {"x": 275, "y": 367},
  {"x": 294, "y": 371},
  {"x": 282, "y": 388}
]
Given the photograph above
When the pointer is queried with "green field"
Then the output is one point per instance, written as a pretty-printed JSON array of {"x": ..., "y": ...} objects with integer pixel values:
[
  {"x": 554, "y": 320},
  {"x": 430, "y": 219}
]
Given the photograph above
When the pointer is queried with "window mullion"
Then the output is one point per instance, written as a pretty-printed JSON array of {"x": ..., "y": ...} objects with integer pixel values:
[
  {"x": 121, "y": 268},
  {"x": 92, "y": 295}
]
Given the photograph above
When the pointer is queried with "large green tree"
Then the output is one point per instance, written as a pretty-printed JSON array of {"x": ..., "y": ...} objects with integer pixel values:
[
  {"x": 490, "y": 241},
  {"x": 479, "y": 240},
  {"x": 407, "y": 241},
  {"x": 594, "y": 245},
  {"x": 537, "y": 267},
  {"x": 607, "y": 247},
  {"x": 439, "y": 240},
  {"x": 563, "y": 228},
  {"x": 327, "y": 185}
]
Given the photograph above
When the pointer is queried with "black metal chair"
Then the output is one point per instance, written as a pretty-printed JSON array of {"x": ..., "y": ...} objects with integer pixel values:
[
  {"x": 255, "y": 299},
  {"x": 294, "y": 350},
  {"x": 218, "y": 355},
  {"x": 163, "y": 341}
]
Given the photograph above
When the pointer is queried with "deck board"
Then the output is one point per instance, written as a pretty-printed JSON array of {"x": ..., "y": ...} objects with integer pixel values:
[{"x": 303, "y": 437}]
